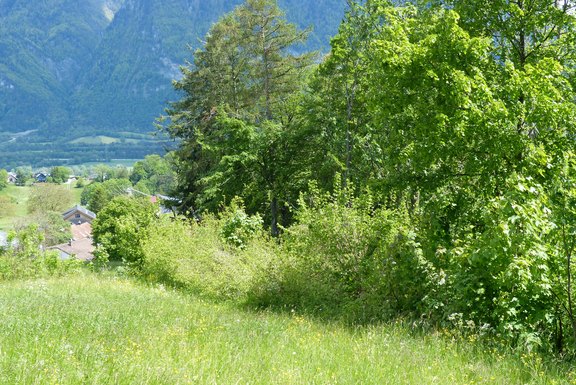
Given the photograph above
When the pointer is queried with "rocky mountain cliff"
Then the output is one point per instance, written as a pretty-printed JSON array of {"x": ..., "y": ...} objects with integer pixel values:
[{"x": 70, "y": 69}]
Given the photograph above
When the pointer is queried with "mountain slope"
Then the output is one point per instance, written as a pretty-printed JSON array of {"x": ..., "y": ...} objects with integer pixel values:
[
  {"x": 43, "y": 47},
  {"x": 73, "y": 69},
  {"x": 129, "y": 83}
]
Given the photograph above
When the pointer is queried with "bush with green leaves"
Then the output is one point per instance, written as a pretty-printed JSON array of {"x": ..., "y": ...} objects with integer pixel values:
[
  {"x": 25, "y": 258},
  {"x": 348, "y": 259},
  {"x": 238, "y": 228},
  {"x": 80, "y": 182},
  {"x": 122, "y": 226},
  {"x": 502, "y": 277},
  {"x": 194, "y": 256}
]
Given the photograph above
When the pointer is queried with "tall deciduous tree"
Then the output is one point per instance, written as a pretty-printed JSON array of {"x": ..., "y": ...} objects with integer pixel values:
[
  {"x": 470, "y": 106},
  {"x": 60, "y": 174},
  {"x": 237, "y": 108},
  {"x": 335, "y": 121},
  {"x": 23, "y": 175},
  {"x": 155, "y": 173},
  {"x": 49, "y": 197}
]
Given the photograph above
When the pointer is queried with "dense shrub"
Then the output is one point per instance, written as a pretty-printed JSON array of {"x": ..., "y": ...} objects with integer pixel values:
[
  {"x": 122, "y": 226},
  {"x": 349, "y": 260},
  {"x": 238, "y": 228},
  {"x": 508, "y": 278},
  {"x": 196, "y": 257},
  {"x": 23, "y": 257}
]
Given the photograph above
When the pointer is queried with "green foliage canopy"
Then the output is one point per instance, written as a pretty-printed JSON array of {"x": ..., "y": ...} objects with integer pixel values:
[
  {"x": 121, "y": 227},
  {"x": 155, "y": 173},
  {"x": 49, "y": 197},
  {"x": 236, "y": 109},
  {"x": 60, "y": 174}
]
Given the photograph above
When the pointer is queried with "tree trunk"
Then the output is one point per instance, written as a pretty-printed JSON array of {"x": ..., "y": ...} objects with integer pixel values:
[{"x": 274, "y": 215}]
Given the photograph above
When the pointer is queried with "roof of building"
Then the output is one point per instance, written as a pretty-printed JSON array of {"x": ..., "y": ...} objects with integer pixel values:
[
  {"x": 81, "y": 231},
  {"x": 83, "y": 249},
  {"x": 81, "y": 209}
]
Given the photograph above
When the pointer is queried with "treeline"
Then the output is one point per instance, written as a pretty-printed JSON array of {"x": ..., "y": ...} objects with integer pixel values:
[
  {"x": 17, "y": 154},
  {"x": 425, "y": 168},
  {"x": 152, "y": 175}
]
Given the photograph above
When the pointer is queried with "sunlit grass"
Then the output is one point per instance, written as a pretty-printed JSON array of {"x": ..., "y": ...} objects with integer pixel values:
[
  {"x": 76, "y": 192},
  {"x": 94, "y": 330},
  {"x": 19, "y": 194}
]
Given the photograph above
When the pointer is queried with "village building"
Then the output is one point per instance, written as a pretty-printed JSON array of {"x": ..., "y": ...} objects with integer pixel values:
[
  {"x": 81, "y": 249},
  {"x": 41, "y": 177},
  {"x": 78, "y": 215},
  {"x": 12, "y": 177},
  {"x": 80, "y": 245}
]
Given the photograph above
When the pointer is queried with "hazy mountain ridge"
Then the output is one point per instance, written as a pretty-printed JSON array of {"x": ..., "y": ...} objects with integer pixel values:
[
  {"x": 72, "y": 68},
  {"x": 43, "y": 47}
]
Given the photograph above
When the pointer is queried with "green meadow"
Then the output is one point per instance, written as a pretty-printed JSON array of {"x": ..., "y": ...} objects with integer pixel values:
[
  {"x": 19, "y": 195},
  {"x": 93, "y": 329}
]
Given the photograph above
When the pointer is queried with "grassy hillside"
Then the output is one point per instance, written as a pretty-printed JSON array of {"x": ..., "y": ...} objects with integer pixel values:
[
  {"x": 19, "y": 195},
  {"x": 95, "y": 330}
]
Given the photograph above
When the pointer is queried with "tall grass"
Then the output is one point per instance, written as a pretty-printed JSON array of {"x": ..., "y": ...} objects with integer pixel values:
[{"x": 94, "y": 330}]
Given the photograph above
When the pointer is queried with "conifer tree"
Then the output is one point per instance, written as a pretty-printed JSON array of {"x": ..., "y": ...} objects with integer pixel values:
[{"x": 236, "y": 109}]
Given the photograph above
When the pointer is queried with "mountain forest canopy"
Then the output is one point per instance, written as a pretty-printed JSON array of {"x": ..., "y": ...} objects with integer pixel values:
[{"x": 455, "y": 117}]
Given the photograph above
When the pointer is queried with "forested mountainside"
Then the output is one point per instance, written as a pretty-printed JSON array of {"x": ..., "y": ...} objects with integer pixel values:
[{"x": 73, "y": 71}]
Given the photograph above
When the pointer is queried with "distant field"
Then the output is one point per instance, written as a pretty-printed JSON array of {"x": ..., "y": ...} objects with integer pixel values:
[
  {"x": 112, "y": 163},
  {"x": 101, "y": 140},
  {"x": 94, "y": 330},
  {"x": 135, "y": 135},
  {"x": 76, "y": 192}
]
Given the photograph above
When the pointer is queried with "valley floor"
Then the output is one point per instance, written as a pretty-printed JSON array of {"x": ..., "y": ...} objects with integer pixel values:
[{"x": 90, "y": 329}]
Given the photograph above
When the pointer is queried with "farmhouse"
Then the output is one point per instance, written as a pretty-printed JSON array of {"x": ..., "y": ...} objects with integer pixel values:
[
  {"x": 12, "y": 177},
  {"x": 82, "y": 249},
  {"x": 78, "y": 215},
  {"x": 80, "y": 245},
  {"x": 41, "y": 177}
]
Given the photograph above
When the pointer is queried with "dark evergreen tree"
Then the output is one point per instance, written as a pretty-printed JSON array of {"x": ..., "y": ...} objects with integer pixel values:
[{"x": 237, "y": 108}]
